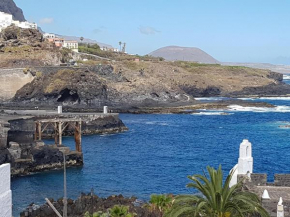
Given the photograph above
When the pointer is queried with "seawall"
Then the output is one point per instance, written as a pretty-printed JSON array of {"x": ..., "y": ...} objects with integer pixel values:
[{"x": 12, "y": 80}]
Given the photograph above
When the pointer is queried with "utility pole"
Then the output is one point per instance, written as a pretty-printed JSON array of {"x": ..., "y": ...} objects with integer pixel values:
[
  {"x": 64, "y": 190},
  {"x": 64, "y": 187}
]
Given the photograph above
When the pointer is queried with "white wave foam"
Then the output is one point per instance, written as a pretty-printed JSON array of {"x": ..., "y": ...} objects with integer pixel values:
[
  {"x": 259, "y": 109},
  {"x": 212, "y": 113},
  {"x": 268, "y": 98},
  {"x": 157, "y": 123},
  {"x": 286, "y": 77},
  {"x": 210, "y": 98}
]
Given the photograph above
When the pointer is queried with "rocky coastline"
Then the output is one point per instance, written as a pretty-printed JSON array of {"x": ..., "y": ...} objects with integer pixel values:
[{"x": 90, "y": 203}]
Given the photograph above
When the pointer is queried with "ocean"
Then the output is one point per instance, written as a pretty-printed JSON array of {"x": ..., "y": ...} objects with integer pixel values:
[{"x": 160, "y": 150}]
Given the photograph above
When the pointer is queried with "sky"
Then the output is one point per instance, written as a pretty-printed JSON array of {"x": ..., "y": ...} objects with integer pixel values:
[{"x": 229, "y": 30}]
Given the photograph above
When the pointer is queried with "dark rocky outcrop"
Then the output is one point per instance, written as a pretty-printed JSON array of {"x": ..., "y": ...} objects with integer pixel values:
[
  {"x": 90, "y": 203},
  {"x": 199, "y": 92},
  {"x": 13, "y": 36},
  {"x": 273, "y": 89},
  {"x": 67, "y": 87},
  {"x": 35, "y": 158},
  {"x": 9, "y": 6}
]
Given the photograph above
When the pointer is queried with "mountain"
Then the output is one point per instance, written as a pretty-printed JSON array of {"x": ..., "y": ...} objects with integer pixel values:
[
  {"x": 191, "y": 54},
  {"x": 86, "y": 40},
  {"x": 8, "y": 6}
]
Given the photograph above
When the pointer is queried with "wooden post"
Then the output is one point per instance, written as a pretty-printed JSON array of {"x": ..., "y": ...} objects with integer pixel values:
[
  {"x": 39, "y": 131},
  {"x": 78, "y": 136},
  {"x": 60, "y": 132},
  {"x": 35, "y": 131},
  {"x": 55, "y": 134}
]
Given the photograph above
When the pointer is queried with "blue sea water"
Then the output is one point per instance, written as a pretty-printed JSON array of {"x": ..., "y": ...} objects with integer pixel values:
[{"x": 159, "y": 151}]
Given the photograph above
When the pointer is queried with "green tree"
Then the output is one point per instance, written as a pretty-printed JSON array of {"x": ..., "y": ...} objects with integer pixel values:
[
  {"x": 218, "y": 199},
  {"x": 120, "y": 211},
  {"x": 160, "y": 203},
  {"x": 97, "y": 214},
  {"x": 120, "y": 44}
]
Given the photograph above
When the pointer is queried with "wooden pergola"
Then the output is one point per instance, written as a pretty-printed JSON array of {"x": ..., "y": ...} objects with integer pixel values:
[{"x": 59, "y": 125}]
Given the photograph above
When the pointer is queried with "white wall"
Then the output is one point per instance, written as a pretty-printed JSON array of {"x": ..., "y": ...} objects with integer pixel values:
[{"x": 5, "y": 191}]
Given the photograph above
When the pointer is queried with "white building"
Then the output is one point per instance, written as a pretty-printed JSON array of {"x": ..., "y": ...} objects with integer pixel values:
[
  {"x": 49, "y": 35},
  {"x": 245, "y": 162},
  {"x": 25, "y": 25},
  {"x": 5, "y": 191},
  {"x": 72, "y": 45},
  {"x": 7, "y": 20}
]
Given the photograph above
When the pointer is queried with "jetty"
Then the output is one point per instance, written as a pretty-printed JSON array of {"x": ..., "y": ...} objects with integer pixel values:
[{"x": 22, "y": 133}]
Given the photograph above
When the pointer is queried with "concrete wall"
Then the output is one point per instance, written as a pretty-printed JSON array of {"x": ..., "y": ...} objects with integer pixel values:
[
  {"x": 5, "y": 191},
  {"x": 12, "y": 80}
]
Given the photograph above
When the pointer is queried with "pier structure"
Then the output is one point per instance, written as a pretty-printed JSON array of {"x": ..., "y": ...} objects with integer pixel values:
[{"x": 59, "y": 125}]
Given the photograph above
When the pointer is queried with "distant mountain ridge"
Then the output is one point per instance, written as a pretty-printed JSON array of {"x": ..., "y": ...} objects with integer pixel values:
[
  {"x": 191, "y": 54},
  {"x": 9, "y": 6}
]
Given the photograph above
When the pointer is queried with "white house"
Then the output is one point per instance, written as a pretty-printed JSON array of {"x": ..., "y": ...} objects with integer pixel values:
[
  {"x": 73, "y": 45},
  {"x": 5, "y": 20},
  {"x": 5, "y": 191},
  {"x": 25, "y": 25},
  {"x": 48, "y": 35},
  {"x": 245, "y": 162}
]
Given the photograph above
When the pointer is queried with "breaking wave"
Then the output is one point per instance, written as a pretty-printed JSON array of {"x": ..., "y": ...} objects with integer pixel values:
[
  {"x": 268, "y": 98},
  {"x": 211, "y": 98},
  {"x": 212, "y": 113},
  {"x": 258, "y": 109}
]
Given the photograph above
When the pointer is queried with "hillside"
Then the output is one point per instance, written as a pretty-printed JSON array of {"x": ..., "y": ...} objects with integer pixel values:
[
  {"x": 26, "y": 47},
  {"x": 128, "y": 83},
  {"x": 8, "y": 6},
  {"x": 192, "y": 54}
]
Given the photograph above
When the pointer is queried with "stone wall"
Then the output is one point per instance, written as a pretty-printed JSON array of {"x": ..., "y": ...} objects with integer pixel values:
[
  {"x": 282, "y": 180},
  {"x": 3, "y": 134},
  {"x": 259, "y": 179},
  {"x": 5, "y": 192},
  {"x": 11, "y": 81}
]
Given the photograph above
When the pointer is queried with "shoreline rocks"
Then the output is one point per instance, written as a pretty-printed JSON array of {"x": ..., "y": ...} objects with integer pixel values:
[{"x": 89, "y": 203}]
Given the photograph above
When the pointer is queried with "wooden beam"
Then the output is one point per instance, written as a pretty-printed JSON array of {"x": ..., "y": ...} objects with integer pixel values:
[
  {"x": 55, "y": 134},
  {"x": 60, "y": 133},
  {"x": 78, "y": 136},
  {"x": 44, "y": 128},
  {"x": 39, "y": 131},
  {"x": 35, "y": 131}
]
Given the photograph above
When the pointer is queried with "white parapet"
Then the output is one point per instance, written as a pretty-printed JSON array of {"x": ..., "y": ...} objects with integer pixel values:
[
  {"x": 5, "y": 191},
  {"x": 105, "y": 109},
  {"x": 59, "y": 109},
  {"x": 280, "y": 208},
  {"x": 245, "y": 162}
]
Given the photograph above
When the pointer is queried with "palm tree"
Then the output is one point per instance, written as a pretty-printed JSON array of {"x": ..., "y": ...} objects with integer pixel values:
[
  {"x": 218, "y": 199},
  {"x": 120, "y": 43},
  {"x": 160, "y": 203},
  {"x": 121, "y": 211}
]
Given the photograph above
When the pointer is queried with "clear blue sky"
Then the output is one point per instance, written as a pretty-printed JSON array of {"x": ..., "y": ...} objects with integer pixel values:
[{"x": 229, "y": 30}]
